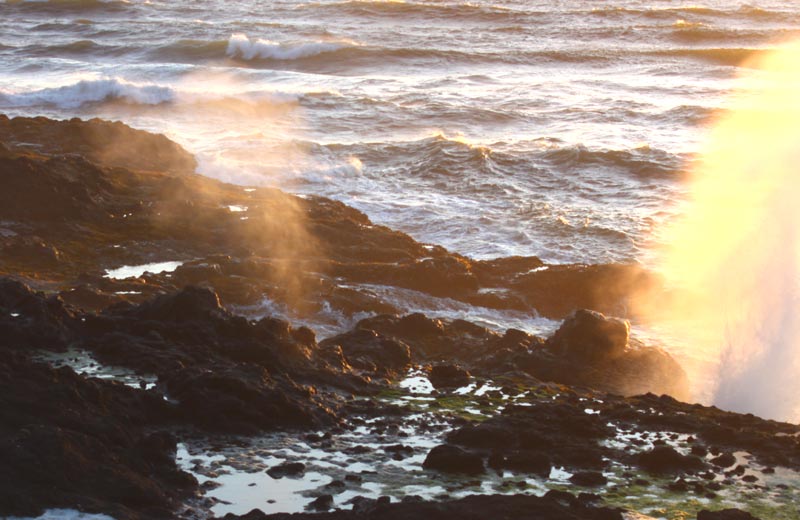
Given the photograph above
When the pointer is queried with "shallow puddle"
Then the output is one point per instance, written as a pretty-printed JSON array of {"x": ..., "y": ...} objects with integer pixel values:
[
  {"x": 380, "y": 455},
  {"x": 84, "y": 364}
]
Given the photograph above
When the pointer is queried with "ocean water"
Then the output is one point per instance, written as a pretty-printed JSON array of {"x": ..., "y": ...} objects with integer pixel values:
[{"x": 514, "y": 127}]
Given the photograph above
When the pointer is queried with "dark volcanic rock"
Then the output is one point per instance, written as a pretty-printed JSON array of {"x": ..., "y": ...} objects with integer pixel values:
[
  {"x": 192, "y": 303},
  {"x": 242, "y": 400},
  {"x": 770, "y": 442},
  {"x": 588, "y": 479},
  {"x": 448, "y": 376},
  {"x": 321, "y": 503},
  {"x": 593, "y": 350},
  {"x": 71, "y": 442},
  {"x": 81, "y": 197},
  {"x": 104, "y": 142},
  {"x": 287, "y": 469},
  {"x": 524, "y": 461},
  {"x": 531, "y": 438},
  {"x": 469, "y": 508},
  {"x": 31, "y": 320},
  {"x": 588, "y": 336},
  {"x": 369, "y": 350},
  {"x": 589, "y": 350},
  {"x": 725, "y": 460},
  {"x": 664, "y": 459},
  {"x": 559, "y": 290},
  {"x": 226, "y": 373},
  {"x": 95, "y": 206},
  {"x": 452, "y": 459}
]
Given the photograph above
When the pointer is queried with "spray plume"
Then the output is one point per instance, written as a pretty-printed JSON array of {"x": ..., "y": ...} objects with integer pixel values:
[
  {"x": 732, "y": 260},
  {"x": 275, "y": 233}
]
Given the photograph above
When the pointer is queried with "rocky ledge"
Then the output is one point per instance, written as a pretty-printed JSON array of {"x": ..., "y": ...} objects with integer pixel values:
[{"x": 189, "y": 360}]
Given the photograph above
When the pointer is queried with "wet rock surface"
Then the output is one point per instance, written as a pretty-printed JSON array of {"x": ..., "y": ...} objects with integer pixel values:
[
  {"x": 588, "y": 349},
  {"x": 228, "y": 374},
  {"x": 452, "y": 459},
  {"x": 475, "y": 507},
  {"x": 84, "y": 196},
  {"x": 71, "y": 442},
  {"x": 208, "y": 391}
]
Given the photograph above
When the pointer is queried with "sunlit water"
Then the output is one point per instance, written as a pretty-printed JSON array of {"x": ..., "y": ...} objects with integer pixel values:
[
  {"x": 524, "y": 127},
  {"x": 512, "y": 127}
]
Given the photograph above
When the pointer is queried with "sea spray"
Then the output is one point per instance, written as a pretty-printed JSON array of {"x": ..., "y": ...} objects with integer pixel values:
[{"x": 732, "y": 260}]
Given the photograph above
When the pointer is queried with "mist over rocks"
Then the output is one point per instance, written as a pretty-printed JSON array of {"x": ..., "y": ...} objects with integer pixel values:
[
  {"x": 215, "y": 365},
  {"x": 95, "y": 195},
  {"x": 105, "y": 143}
]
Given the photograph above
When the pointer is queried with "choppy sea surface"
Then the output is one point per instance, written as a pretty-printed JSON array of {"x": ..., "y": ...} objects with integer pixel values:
[{"x": 513, "y": 127}]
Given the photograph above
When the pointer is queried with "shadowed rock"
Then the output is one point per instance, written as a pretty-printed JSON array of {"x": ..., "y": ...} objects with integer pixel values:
[
  {"x": 368, "y": 350},
  {"x": 588, "y": 336},
  {"x": 665, "y": 459},
  {"x": 448, "y": 376},
  {"x": 470, "y": 508},
  {"x": 71, "y": 442},
  {"x": 452, "y": 459}
]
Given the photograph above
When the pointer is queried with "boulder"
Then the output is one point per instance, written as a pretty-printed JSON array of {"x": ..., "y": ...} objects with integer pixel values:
[
  {"x": 369, "y": 350},
  {"x": 589, "y": 336},
  {"x": 665, "y": 459},
  {"x": 588, "y": 479},
  {"x": 452, "y": 459},
  {"x": 448, "y": 376},
  {"x": 287, "y": 469},
  {"x": 192, "y": 303},
  {"x": 725, "y": 460}
]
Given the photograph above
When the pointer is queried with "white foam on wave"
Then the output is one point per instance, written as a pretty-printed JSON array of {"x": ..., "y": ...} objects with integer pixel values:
[
  {"x": 90, "y": 91},
  {"x": 63, "y": 514},
  {"x": 240, "y": 46}
]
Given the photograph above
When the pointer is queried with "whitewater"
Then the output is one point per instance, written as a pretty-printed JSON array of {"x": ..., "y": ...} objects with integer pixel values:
[{"x": 516, "y": 127}]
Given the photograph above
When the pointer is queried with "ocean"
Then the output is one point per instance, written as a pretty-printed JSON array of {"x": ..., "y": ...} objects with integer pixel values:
[{"x": 561, "y": 129}]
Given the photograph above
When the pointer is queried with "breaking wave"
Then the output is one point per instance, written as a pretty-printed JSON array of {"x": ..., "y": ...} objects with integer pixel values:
[
  {"x": 240, "y": 46},
  {"x": 90, "y": 91}
]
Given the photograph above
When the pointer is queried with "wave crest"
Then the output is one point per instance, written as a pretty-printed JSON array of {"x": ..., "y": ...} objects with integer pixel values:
[
  {"x": 240, "y": 46},
  {"x": 90, "y": 91}
]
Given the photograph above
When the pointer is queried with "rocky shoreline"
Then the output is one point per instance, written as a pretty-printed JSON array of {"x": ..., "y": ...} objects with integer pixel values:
[{"x": 517, "y": 425}]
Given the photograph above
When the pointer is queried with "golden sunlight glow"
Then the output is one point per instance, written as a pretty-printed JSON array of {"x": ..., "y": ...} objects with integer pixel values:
[{"x": 732, "y": 261}]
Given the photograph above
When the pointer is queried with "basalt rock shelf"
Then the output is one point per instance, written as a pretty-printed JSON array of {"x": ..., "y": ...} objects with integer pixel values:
[
  {"x": 83, "y": 197},
  {"x": 142, "y": 377}
]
